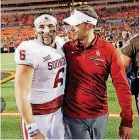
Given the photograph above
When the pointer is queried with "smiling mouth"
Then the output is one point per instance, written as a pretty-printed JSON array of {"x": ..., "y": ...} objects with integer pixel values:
[{"x": 46, "y": 36}]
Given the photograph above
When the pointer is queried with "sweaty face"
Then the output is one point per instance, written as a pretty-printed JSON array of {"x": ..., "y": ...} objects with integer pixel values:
[{"x": 46, "y": 33}]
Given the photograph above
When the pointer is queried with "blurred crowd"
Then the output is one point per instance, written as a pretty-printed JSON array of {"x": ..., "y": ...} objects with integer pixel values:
[{"x": 112, "y": 22}]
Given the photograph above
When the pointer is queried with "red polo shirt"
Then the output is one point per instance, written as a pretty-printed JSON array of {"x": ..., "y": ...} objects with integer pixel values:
[{"x": 87, "y": 72}]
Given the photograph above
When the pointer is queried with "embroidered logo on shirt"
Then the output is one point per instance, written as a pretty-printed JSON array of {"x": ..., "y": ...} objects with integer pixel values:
[
  {"x": 97, "y": 53},
  {"x": 97, "y": 59},
  {"x": 47, "y": 58}
]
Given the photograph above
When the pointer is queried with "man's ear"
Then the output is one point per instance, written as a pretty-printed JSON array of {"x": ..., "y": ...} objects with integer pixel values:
[
  {"x": 35, "y": 31},
  {"x": 57, "y": 29}
]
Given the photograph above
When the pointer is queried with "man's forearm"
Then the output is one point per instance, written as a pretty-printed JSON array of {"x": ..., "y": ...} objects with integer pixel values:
[
  {"x": 23, "y": 81},
  {"x": 25, "y": 109}
]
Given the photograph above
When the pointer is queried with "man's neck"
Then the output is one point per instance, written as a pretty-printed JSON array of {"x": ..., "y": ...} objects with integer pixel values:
[{"x": 86, "y": 42}]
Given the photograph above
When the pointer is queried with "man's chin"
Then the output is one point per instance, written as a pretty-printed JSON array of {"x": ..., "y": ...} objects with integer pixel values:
[
  {"x": 47, "y": 44},
  {"x": 75, "y": 38}
]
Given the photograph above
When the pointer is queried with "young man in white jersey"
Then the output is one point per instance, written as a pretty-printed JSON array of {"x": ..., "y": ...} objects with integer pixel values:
[{"x": 40, "y": 81}]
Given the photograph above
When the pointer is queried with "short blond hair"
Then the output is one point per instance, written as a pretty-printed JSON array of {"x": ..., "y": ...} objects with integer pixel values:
[{"x": 88, "y": 10}]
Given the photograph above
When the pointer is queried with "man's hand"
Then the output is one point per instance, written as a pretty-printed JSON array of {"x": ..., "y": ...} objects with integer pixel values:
[
  {"x": 38, "y": 136},
  {"x": 125, "y": 132}
]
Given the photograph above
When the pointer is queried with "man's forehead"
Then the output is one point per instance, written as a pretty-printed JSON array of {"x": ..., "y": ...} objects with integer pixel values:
[
  {"x": 45, "y": 20},
  {"x": 46, "y": 23}
]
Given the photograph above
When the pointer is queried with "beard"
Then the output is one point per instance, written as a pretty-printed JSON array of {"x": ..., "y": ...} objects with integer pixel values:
[
  {"x": 78, "y": 36},
  {"x": 81, "y": 36},
  {"x": 75, "y": 36},
  {"x": 46, "y": 39}
]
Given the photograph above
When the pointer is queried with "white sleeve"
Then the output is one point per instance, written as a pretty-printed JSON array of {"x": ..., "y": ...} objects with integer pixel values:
[
  {"x": 24, "y": 55},
  {"x": 59, "y": 42}
]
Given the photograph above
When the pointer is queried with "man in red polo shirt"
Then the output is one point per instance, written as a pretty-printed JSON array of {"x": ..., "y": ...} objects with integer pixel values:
[{"x": 90, "y": 60}]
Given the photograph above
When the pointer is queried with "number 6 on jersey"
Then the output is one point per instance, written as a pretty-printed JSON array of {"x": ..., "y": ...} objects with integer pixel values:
[
  {"x": 22, "y": 55},
  {"x": 57, "y": 79}
]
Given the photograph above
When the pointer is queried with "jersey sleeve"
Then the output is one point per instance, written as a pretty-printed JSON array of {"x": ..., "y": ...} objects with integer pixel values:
[{"x": 24, "y": 55}]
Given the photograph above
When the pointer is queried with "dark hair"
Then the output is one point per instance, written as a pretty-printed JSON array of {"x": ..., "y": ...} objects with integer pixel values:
[
  {"x": 88, "y": 10},
  {"x": 42, "y": 13}
]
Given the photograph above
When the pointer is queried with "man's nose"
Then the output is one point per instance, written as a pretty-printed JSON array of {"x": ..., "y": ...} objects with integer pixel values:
[
  {"x": 72, "y": 28},
  {"x": 46, "y": 30}
]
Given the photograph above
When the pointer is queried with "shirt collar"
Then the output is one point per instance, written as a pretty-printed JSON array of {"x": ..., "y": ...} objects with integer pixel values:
[{"x": 78, "y": 45}]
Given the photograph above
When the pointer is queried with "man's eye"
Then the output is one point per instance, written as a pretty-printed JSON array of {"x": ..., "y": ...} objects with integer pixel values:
[
  {"x": 50, "y": 26},
  {"x": 52, "y": 31},
  {"x": 41, "y": 27}
]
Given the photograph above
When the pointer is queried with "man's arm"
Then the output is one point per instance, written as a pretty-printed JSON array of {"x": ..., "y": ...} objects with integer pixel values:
[
  {"x": 123, "y": 94},
  {"x": 125, "y": 60},
  {"x": 23, "y": 81}
]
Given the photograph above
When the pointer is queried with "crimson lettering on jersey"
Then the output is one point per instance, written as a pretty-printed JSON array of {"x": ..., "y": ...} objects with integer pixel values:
[
  {"x": 57, "y": 63},
  {"x": 57, "y": 79}
]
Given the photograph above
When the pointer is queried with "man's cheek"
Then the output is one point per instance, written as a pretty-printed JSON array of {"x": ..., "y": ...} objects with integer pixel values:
[{"x": 38, "y": 30}]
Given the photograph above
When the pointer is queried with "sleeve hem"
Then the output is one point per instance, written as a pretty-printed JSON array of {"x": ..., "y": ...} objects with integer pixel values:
[{"x": 127, "y": 123}]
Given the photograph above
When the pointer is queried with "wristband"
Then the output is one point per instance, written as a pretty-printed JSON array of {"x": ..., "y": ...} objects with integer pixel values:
[{"x": 32, "y": 129}]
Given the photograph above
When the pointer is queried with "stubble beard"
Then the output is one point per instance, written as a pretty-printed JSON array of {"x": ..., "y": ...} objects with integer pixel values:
[{"x": 42, "y": 39}]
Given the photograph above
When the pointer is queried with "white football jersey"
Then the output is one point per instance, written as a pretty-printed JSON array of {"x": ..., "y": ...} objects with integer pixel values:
[{"x": 49, "y": 69}]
